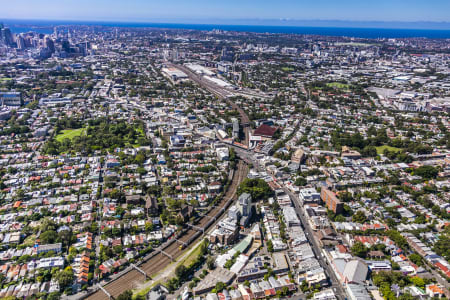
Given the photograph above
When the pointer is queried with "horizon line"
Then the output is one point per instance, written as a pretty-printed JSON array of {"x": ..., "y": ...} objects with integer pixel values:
[{"x": 259, "y": 22}]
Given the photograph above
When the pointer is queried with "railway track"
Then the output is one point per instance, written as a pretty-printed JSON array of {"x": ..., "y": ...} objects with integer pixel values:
[
  {"x": 221, "y": 93},
  {"x": 133, "y": 279}
]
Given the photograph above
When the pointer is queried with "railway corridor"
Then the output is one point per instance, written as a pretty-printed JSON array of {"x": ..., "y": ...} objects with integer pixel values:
[{"x": 134, "y": 279}]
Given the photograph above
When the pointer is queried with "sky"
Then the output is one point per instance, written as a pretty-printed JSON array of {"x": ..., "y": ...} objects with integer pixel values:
[{"x": 225, "y": 11}]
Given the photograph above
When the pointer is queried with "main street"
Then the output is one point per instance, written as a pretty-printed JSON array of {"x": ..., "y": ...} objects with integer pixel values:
[
  {"x": 249, "y": 157},
  {"x": 335, "y": 283}
]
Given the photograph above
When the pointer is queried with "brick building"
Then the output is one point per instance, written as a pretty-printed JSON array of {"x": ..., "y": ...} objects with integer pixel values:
[{"x": 332, "y": 202}]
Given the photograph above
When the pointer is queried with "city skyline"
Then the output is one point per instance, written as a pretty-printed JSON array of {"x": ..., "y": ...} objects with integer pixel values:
[
  {"x": 200, "y": 11},
  {"x": 224, "y": 150}
]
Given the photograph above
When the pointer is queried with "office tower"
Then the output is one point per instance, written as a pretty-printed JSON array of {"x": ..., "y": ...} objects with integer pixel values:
[
  {"x": 65, "y": 46},
  {"x": 6, "y": 36},
  {"x": 48, "y": 43},
  {"x": 21, "y": 44}
]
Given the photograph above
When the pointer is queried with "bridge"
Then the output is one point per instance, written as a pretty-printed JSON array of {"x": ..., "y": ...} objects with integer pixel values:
[
  {"x": 106, "y": 292},
  {"x": 209, "y": 217},
  {"x": 165, "y": 253},
  {"x": 181, "y": 242},
  {"x": 196, "y": 228},
  {"x": 140, "y": 271}
]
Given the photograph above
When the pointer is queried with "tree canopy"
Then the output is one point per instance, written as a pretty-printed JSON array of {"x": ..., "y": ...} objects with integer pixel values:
[{"x": 258, "y": 188}]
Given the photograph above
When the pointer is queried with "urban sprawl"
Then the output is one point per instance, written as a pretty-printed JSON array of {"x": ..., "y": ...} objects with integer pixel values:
[{"x": 143, "y": 163}]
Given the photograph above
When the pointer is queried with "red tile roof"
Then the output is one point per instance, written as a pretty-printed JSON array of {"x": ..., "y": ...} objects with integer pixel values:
[{"x": 265, "y": 130}]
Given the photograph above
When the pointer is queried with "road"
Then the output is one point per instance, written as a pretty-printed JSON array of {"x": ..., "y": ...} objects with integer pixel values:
[
  {"x": 440, "y": 280},
  {"x": 132, "y": 279},
  {"x": 335, "y": 283}
]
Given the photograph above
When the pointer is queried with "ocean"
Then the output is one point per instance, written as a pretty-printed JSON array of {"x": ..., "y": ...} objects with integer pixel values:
[{"x": 46, "y": 27}]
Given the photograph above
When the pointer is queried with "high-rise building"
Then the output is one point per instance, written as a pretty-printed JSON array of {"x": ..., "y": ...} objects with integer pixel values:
[
  {"x": 48, "y": 43},
  {"x": 6, "y": 36},
  {"x": 235, "y": 123},
  {"x": 245, "y": 208},
  {"x": 21, "y": 43},
  {"x": 65, "y": 46},
  {"x": 245, "y": 204}
]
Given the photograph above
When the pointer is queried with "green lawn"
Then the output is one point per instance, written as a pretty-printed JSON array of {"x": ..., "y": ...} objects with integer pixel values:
[
  {"x": 355, "y": 44},
  {"x": 70, "y": 134},
  {"x": 30, "y": 240},
  {"x": 338, "y": 85},
  {"x": 5, "y": 79},
  {"x": 185, "y": 261},
  {"x": 192, "y": 256},
  {"x": 380, "y": 149},
  {"x": 287, "y": 69}
]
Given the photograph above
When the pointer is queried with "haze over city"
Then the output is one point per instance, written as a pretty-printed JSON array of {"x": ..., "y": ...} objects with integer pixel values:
[{"x": 201, "y": 11}]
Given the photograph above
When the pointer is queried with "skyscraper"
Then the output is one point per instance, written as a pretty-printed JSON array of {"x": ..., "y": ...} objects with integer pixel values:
[
  {"x": 48, "y": 43},
  {"x": 21, "y": 44},
  {"x": 6, "y": 35}
]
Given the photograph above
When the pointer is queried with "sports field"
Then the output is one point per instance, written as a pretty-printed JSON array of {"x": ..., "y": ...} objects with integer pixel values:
[
  {"x": 70, "y": 134},
  {"x": 380, "y": 149}
]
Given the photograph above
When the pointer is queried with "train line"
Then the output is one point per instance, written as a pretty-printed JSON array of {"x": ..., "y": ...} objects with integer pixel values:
[
  {"x": 133, "y": 279},
  {"x": 221, "y": 93}
]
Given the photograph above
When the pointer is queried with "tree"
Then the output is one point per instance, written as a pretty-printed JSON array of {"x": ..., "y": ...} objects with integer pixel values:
[
  {"x": 442, "y": 246},
  {"x": 345, "y": 197},
  {"x": 65, "y": 278},
  {"x": 220, "y": 286},
  {"x": 118, "y": 249},
  {"x": 269, "y": 246},
  {"x": 397, "y": 238},
  {"x": 258, "y": 188},
  {"x": 359, "y": 217},
  {"x": 416, "y": 258},
  {"x": 369, "y": 151},
  {"x": 140, "y": 158},
  {"x": 127, "y": 295},
  {"x": 47, "y": 224},
  {"x": 304, "y": 286},
  {"x": 300, "y": 181},
  {"x": 406, "y": 296},
  {"x": 181, "y": 271},
  {"x": 53, "y": 296},
  {"x": 358, "y": 249},
  {"x": 139, "y": 297},
  {"x": 284, "y": 291},
  {"x": 420, "y": 219},
  {"x": 417, "y": 281},
  {"x": 340, "y": 218},
  {"x": 148, "y": 226},
  {"x": 427, "y": 172},
  {"x": 48, "y": 237},
  {"x": 210, "y": 263},
  {"x": 65, "y": 236}
]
